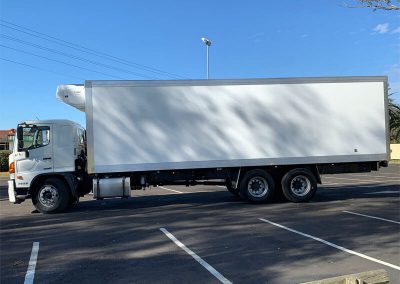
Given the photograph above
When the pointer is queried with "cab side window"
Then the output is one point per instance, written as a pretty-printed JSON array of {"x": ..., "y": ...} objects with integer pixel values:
[
  {"x": 43, "y": 137},
  {"x": 35, "y": 137}
]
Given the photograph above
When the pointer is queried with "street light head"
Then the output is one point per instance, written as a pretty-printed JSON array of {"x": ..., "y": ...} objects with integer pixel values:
[{"x": 206, "y": 41}]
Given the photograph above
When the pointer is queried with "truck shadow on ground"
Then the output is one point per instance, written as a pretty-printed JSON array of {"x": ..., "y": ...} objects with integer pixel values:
[
  {"x": 224, "y": 197},
  {"x": 324, "y": 194}
]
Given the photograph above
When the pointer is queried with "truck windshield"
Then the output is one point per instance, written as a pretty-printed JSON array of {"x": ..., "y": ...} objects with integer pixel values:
[{"x": 34, "y": 137}]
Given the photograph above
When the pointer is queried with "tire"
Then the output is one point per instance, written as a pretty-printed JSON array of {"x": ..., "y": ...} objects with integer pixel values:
[
  {"x": 51, "y": 196},
  {"x": 299, "y": 185},
  {"x": 234, "y": 191},
  {"x": 257, "y": 186}
]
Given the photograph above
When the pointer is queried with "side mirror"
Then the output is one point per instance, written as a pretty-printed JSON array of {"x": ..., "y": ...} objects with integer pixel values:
[
  {"x": 20, "y": 133},
  {"x": 26, "y": 154},
  {"x": 20, "y": 145},
  {"x": 20, "y": 137}
]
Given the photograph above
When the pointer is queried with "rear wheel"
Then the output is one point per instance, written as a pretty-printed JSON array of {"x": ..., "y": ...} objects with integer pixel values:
[
  {"x": 257, "y": 186},
  {"x": 299, "y": 185},
  {"x": 51, "y": 196}
]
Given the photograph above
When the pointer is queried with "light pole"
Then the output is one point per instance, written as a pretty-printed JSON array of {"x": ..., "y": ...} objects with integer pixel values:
[{"x": 207, "y": 42}]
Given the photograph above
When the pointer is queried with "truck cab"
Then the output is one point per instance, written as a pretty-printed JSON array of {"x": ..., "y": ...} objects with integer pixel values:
[{"x": 47, "y": 154}]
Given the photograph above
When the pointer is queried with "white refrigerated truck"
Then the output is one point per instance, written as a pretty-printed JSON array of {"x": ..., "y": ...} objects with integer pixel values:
[{"x": 258, "y": 136}]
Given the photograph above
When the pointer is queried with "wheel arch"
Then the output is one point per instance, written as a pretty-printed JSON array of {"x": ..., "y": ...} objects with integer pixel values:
[{"x": 67, "y": 178}]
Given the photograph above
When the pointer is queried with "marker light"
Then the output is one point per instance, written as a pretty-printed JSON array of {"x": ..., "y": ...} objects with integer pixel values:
[{"x": 11, "y": 169}]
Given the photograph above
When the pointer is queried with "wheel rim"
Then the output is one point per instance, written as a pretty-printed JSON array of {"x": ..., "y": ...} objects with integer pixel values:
[
  {"x": 48, "y": 196},
  {"x": 257, "y": 187},
  {"x": 300, "y": 185}
]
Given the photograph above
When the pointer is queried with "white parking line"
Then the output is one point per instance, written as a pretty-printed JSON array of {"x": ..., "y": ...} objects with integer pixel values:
[
  {"x": 384, "y": 192},
  {"x": 333, "y": 245},
  {"x": 362, "y": 180},
  {"x": 386, "y": 174},
  {"x": 347, "y": 185},
  {"x": 373, "y": 217},
  {"x": 357, "y": 183},
  {"x": 173, "y": 190},
  {"x": 211, "y": 269},
  {"x": 188, "y": 192},
  {"x": 30, "y": 273},
  {"x": 376, "y": 176}
]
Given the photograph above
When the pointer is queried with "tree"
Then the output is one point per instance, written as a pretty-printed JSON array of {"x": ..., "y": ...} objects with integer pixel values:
[
  {"x": 394, "y": 120},
  {"x": 378, "y": 5}
]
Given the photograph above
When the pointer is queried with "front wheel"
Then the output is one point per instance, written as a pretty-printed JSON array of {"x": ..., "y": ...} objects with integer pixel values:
[
  {"x": 51, "y": 196},
  {"x": 257, "y": 186},
  {"x": 299, "y": 185}
]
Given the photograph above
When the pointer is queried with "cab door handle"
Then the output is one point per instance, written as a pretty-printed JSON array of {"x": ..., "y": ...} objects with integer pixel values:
[{"x": 47, "y": 158}]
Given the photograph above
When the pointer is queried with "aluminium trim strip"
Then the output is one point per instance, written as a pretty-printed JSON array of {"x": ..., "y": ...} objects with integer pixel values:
[
  {"x": 239, "y": 163},
  {"x": 221, "y": 82}
]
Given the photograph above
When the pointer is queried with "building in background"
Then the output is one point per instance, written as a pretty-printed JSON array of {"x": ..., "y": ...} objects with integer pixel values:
[{"x": 7, "y": 139}]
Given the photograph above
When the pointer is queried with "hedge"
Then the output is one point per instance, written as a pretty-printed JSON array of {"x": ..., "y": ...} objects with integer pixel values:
[{"x": 4, "y": 160}]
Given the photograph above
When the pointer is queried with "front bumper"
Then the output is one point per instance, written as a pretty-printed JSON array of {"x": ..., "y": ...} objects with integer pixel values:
[
  {"x": 17, "y": 195},
  {"x": 11, "y": 191}
]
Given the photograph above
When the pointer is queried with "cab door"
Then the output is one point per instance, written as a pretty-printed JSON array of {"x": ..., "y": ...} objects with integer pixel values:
[{"x": 35, "y": 156}]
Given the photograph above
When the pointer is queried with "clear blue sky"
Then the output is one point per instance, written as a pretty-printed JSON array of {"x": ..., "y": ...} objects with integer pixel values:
[{"x": 250, "y": 39}]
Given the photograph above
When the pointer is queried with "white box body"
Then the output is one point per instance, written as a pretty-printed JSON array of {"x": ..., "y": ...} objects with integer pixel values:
[{"x": 166, "y": 125}]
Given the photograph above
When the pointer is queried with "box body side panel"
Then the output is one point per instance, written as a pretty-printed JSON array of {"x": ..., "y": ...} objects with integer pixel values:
[{"x": 139, "y": 127}]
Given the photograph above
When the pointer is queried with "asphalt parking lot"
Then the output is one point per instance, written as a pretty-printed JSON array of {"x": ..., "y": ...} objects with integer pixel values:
[{"x": 204, "y": 234}]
